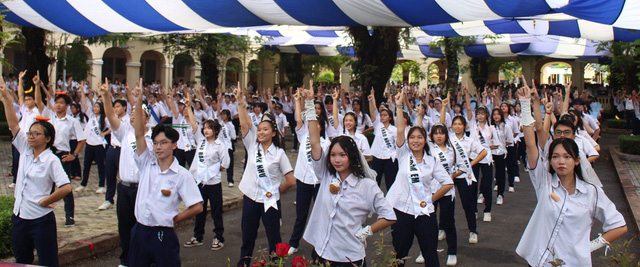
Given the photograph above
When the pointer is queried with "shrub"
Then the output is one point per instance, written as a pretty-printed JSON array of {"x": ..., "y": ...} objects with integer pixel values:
[
  {"x": 369, "y": 137},
  {"x": 6, "y": 210},
  {"x": 607, "y": 115},
  {"x": 629, "y": 144},
  {"x": 617, "y": 124}
]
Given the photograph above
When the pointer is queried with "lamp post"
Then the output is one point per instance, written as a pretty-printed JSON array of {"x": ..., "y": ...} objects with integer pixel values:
[{"x": 64, "y": 68}]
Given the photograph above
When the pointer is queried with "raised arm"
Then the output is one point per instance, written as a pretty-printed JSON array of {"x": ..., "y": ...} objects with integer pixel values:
[
  {"x": 245, "y": 120},
  {"x": 467, "y": 97},
  {"x": 192, "y": 118},
  {"x": 36, "y": 94},
  {"x": 549, "y": 119},
  {"x": 445, "y": 103},
  {"x": 312, "y": 121},
  {"x": 400, "y": 124},
  {"x": 372, "y": 105},
  {"x": 139, "y": 124},
  {"x": 335, "y": 113},
  {"x": 567, "y": 96},
  {"x": 108, "y": 106},
  {"x": 21, "y": 87},
  {"x": 12, "y": 119},
  {"x": 524, "y": 94},
  {"x": 298, "y": 102}
]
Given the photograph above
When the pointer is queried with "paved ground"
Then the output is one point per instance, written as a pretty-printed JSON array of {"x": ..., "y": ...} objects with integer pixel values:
[{"x": 498, "y": 239}]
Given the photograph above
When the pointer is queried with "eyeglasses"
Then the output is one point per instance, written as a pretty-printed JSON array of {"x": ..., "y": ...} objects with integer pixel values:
[
  {"x": 162, "y": 143},
  {"x": 563, "y": 133},
  {"x": 34, "y": 134}
]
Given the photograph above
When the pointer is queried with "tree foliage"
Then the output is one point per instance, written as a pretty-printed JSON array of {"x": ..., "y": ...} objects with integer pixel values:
[
  {"x": 326, "y": 77},
  {"x": 625, "y": 64},
  {"x": 452, "y": 47},
  {"x": 296, "y": 66},
  {"x": 511, "y": 70},
  {"x": 37, "y": 59}
]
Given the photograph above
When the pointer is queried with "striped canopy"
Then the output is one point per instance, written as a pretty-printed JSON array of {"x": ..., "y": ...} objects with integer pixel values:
[{"x": 559, "y": 28}]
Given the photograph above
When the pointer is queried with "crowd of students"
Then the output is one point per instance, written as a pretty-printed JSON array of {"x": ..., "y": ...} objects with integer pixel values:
[{"x": 424, "y": 148}]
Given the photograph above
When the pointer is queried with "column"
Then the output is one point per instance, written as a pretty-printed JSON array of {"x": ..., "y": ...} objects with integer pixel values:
[
  {"x": 528, "y": 70},
  {"x": 244, "y": 77},
  {"x": 577, "y": 75},
  {"x": 133, "y": 73},
  {"x": 222, "y": 77},
  {"x": 95, "y": 74},
  {"x": 345, "y": 77},
  {"x": 165, "y": 76},
  {"x": 466, "y": 76},
  {"x": 194, "y": 74}
]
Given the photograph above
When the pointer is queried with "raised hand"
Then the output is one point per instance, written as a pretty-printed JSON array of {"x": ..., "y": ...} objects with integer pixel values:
[
  {"x": 335, "y": 94},
  {"x": 399, "y": 98},
  {"x": 372, "y": 95},
  {"x": 296, "y": 96},
  {"x": 524, "y": 93},
  {"x": 22, "y": 74},
  {"x": 548, "y": 107},
  {"x": 36, "y": 79}
]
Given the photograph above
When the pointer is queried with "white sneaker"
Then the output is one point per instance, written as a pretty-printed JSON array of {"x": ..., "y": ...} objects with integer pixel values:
[
  {"x": 480, "y": 199},
  {"x": 441, "y": 235},
  {"x": 120, "y": 265},
  {"x": 487, "y": 217},
  {"x": 495, "y": 188},
  {"x": 499, "y": 200},
  {"x": 512, "y": 189},
  {"x": 12, "y": 185},
  {"x": 80, "y": 188},
  {"x": 420, "y": 259},
  {"x": 293, "y": 150},
  {"x": 526, "y": 169},
  {"x": 105, "y": 205},
  {"x": 291, "y": 251},
  {"x": 452, "y": 260},
  {"x": 516, "y": 179},
  {"x": 473, "y": 238},
  {"x": 231, "y": 185},
  {"x": 101, "y": 190}
]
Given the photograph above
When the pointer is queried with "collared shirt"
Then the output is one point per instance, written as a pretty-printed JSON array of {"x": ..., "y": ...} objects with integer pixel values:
[
  {"x": 451, "y": 159},
  {"x": 512, "y": 122},
  {"x": 35, "y": 178},
  {"x": 628, "y": 104},
  {"x": 232, "y": 107},
  {"x": 380, "y": 149},
  {"x": 66, "y": 127},
  {"x": 28, "y": 117},
  {"x": 126, "y": 119},
  {"x": 212, "y": 154},
  {"x": 281, "y": 122},
  {"x": 275, "y": 161},
  {"x": 304, "y": 163},
  {"x": 488, "y": 134},
  {"x": 361, "y": 141},
  {"x": 400, "y": 196},
  {"x": 591, "y": 122},
  {"x": 331, "y": 129},
  {"x": 227, "y": 133},
  {"x": 563, "y": 227},
  {"x": 158, "y": 108},
  {"x": 335, "y": 219},
  {"x": 160, "y": 192},
  {"x": 126, "y": 135},
  {"x": 435, "y": 117},
  {"x": 186, "y": 141},
  {"x": 472, "y": 148},
  {"x": 503, "y": 135},
  {"x": 200, "y": 115},
  {"x": 362, "y": 120},
  {"x": 92, "y": 131}
]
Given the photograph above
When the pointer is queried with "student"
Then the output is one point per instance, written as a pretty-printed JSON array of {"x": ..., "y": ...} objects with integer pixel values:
[
  {"x": 503, "y": 138},
  {"x": 261, "y": 180},
  {"x": 33, "y": 221},
  {"x": 186, "y": 144},
  {"x": 307, "y": 181},
  {"x": 163, "y": 185},
  {"x": 228, "y": 137},
  {"x": 484, "y": 133},
  {"x": 567, "y": 205},
  {"x": 76, "y": 113},
  {"x": 344, "y": 177},
  {"x": 412, "y": 195},
  {"x": 383, "y": 148},
  {"x": 95, "y": 130}
]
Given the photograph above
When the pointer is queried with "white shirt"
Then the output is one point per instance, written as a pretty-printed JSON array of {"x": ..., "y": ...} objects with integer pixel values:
[
  {"x": 628, "y": 104},
  {"x": 472, "y": 148},
  {"x": 65, "y": 128},
  {"x": 362, "y": 120},
  {"x": 435, "y": 117},
  {"x": 380, "y": 149},
  {"x": 276, "y": 163},
  {"x": 335, "y": 219},
  {"x": 564, "y": 226},
  {"x": 451, "y": 159},
  {"x": 488, "y": 134},
  {"x": 503, "y": 135},
  {"x": 400, "y": 196},
  {"x": 35, "y": 178},
  {"x": 158, "y": 108},
  {"x": 304, "y": 163},
  {"x": 127, "y": 167},
  {"x": 200, "y": 115},
  {"x": 232, "y": 107},
  {"x": 281, "y": 122},
  {"x": 28, "y": 117},
  {"x": 126, "y": 119},
  {"x": 361, "y": 141},
  {"x": 213, "y": 156},
  {"x": 187, "y": 141},
  {"x": 153, "y": 207},
  {"x": 591, "y": 122},
  {"x": 92, "y": 131},
  {"x": 227, "y": 133}
]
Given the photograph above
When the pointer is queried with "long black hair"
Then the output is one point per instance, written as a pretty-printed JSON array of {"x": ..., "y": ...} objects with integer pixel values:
[
  {"x": 353, "y": 153},
  {"x": 101, "y": 122},
  {"x": 323, "y": 111},
  {"x": 274, "y": 127},
  {"x": 81, "y": 116},
  {"x": 572, "y": 148},
  {"x": 355, "y": 119}
]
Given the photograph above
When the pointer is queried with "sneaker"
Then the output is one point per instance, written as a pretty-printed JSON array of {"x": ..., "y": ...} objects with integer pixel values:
[
  {"x": 231, "y": 185},
  {"x": 105, "y": 205},
  {"x": 122, "y": 265},
  {"x": 12, "y": 185},
  {"x": 480, "y": 199},
  {"x": 512, "y": 189},
  {"x": 292, "y": 250},
  {"x": 452, "y": 260},
  {"x": 192, "y": 243},
  {"x": 473, "y": 238},
  {"x": 101, "y": 190},
  {"x": 495, "y": 188},
  {"x": 216, "y": 244},
  {"x": 293, "y": 150},
  {"x": 420, "y": 259},
  {"x": 516, "y": 179},
  {"x": 526, "y": 169},
  {"x": 499, "y": 200},
  {"x": 487, "y": 217},
  {"x": 80, "y": 188},
  {"x": 441, "y": 235},
  {"x": 70, "y": 222}
]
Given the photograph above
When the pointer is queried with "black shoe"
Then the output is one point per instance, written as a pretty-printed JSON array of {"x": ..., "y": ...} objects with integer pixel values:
[{"x": 70, "y": 222}]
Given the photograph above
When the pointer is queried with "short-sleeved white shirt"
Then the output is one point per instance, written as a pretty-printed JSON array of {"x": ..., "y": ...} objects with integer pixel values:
[
  {"x": 472, "y": 148},
  {"x": 28, "y": 117},
  {"x": 488, "y": 133},
  {"x": 362, "y": 121},
  {"x": 213, "y": 153},
  {"x": 153, "y": 207},
  {"x": 35, "y": 178},
  {"x": 126, "y": 119},
  {"x": 227, "y": 133},
  {"x": 160, "y": 111},
  {"x": 380, "y": 149},
  {"x": 127, "y": 167},
  {"x": 304, "y": 163},
  {"x": 65, "y": 127},
  {"x": 92, "y": 131},
  {"x": 187, "y": 140}
]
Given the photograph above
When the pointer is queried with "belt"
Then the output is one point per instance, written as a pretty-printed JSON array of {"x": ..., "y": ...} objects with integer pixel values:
[
  {"x": 127, "y": 184},
  {"x": 62, "y": 153},
  {"x": 114, "y": 147}
]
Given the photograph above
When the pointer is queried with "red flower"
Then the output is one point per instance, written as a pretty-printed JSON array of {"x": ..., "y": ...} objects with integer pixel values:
[
  {"x": 282, "y": 249},
  {"x": 298, "y": 262},
  {"x": 259, "y": 263}
]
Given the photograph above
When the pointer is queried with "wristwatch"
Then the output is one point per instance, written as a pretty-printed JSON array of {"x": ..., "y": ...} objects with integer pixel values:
[{"x": 75, "y": 154}]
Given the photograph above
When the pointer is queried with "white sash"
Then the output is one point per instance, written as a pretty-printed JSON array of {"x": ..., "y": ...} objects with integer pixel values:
[
  {"x": 419, "y": 200},
  {"x": 331, "y": 121},
  {"x": 385, "y": 137},
  {"x": 469, "y": 177},
  {"x": 443, "y": 160},
  {"x": 224, "y": 131},
  {"x": 307, "y": 151},
  {"x": 205, "y": 172},
  {"x": 94, "y": 129},
  {"x": 267, "y": 194}
]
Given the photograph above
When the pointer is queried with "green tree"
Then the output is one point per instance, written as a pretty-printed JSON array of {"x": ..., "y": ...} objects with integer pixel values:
[
  {"x": 35, "y": 53},
  {"x": 77, "y": 65},
  {"x": 452, "y": 47},
  {"x": 296, "y": 66},
  {"x": 479, "y": 68},
  {"x": 396, "y": 73},
  {"x": 625, "y": 64},
  {"x": 326, "y": 77},
  {"x": 511, "y": 70},
  {"x": 413, "y": 68}
]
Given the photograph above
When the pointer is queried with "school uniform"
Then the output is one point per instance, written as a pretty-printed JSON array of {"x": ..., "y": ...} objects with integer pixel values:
[
  {"x": 95, "y": 150},
  {"x": 331, "y": 229},
  {"x": 112, "y": 160},
  {"x": 159, "y": 111},
  {"x": 331, "y": 130},
  {"x": 153, "y": 239},
  {"x": 27, "y": 118},
  {"x": 362, "y": 120},
  {"x": 307, "y": 182},
  {"x": 361, "y": 141},
  {"x": 186, "y": 144},
  {"x": 260, "y": 185},
  {"x": 513, "y": 169},
  {"x": 467, "y": 149},
  {"x": 383, "y": 150},
  {"x": 411, "y": 198},
  {"x": 563, "y": 226},
  {"x": 281, "y": 123},
  {"x": 35, "y": 226},
  {"x": 503, "y": 135},
  {"x": 449, "y": 160},
  {"x": 487, "y": 137},
  {"x": 227, "y": 136}
]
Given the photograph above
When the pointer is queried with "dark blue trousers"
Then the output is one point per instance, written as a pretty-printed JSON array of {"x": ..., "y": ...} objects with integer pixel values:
[
  {"x": 69, "y": 204},
  {"x": 448, "y": 222},
  {"x": 425, "y": 228},
  {"x": 39, "y": 233},
  {"x": 501, "y": 171},
  {"x": 111, "y": 165},
  {"x": 126, "y": 218},
  {"x": 213, "y": 194},
  {"x": 153, "y": 245},
  {"x": 468, "y": 195},
  {"x": 317, "y": 259},
  {"x": 388, "y": 167},
  {"x": 76, "y": 171},
  {"x": 15, "y": 162},
  {"x": 304, "y": 194},
  {"x": 97, "y": 154},
  {"x": 184, "y": 157},
  {"x": 230, "y": 169},
  {"x": 251, "y": 213},
  {"x": 486, "y": 183},
  {"x": 513, "y": 169}
]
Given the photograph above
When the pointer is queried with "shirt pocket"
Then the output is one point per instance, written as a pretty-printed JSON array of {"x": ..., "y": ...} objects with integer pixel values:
[{"x": 167, "y": 192}]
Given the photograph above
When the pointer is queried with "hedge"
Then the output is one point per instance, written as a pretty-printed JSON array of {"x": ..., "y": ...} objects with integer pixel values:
[
  {"x": 607, "y": 115},
  {"x": 617, "y": 124},
  {"x": 6, "y": 210},
  {"x": 629, "y": 144}
]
